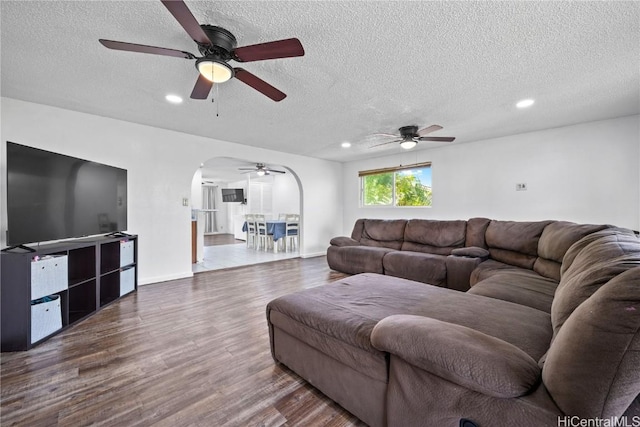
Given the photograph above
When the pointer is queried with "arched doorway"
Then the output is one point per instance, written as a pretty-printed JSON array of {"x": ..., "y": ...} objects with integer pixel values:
[{"x": 218, "y": 239}]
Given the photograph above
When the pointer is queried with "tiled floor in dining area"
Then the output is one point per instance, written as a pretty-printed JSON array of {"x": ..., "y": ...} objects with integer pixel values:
[{"x": 234, "y": 255}]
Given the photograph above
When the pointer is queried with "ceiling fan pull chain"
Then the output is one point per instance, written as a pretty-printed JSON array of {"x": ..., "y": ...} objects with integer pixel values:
[{"x": 218, "y": 103}]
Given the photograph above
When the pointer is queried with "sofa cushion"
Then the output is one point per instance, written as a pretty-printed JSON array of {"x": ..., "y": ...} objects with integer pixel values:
[
  {"x": 591, "y": 369},
  {"x": 356, "y": 233},
  {"x": 458, "y": 354},
  {"x": 383, "y": 233},
  {"x": 367, "y": 361},
  {"x": 418, "y": 266},
  {"x": 627, "y": 243},
  {"x": 489, "y": 268},
  {"x": 515, "y": 242},
  {"x": 554, "y": 242},
  {"x": 524, "y": 287},
  {"x": 436, "y": 237},
  {"x": 590, "y": 263},
  {"x": 356, "y": 259},
  {"x": 476, "y": 229}
]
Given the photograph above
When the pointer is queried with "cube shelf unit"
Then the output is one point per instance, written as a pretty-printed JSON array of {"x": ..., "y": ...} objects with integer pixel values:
[{"x": 84, "y": 274}]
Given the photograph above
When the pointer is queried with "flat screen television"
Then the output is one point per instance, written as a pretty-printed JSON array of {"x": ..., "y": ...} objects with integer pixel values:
[
  {"x": 233, "y": 195},
  {"x": 51, "y": 196}
]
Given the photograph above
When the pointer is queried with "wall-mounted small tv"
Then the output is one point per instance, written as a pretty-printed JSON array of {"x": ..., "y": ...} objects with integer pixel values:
[
  {"x": 51, "y": 196},
  {"x": 233, "y": 195}
]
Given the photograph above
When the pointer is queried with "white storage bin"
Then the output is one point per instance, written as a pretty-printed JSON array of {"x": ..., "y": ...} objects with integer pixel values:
[
  {"x": 127, "y": 280},
  {"x": 126, "y": 253},
  {"x": 46, "y": 318},
  {"x": 48, "y": 276}
]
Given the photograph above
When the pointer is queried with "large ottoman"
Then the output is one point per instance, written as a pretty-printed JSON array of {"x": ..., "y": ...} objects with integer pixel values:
[{"x": 323, "y": 333}]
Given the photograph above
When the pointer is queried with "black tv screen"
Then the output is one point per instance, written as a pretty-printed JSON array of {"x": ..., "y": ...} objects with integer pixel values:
[
  {"x": 233, "y": 195},
  {"x": 51, "y": 196}
]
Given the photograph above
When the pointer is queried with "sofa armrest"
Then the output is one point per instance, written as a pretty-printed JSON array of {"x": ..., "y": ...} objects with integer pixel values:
[
  {"x": 471, "y": 252},
  {"x": 459, "y": 271},
  {"x": 344, "y": 241},
  {"x": 458, "y": 354}
]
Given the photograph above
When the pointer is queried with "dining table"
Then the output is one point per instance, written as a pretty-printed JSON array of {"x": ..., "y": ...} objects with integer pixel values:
[{"x": 275, "y": 228}]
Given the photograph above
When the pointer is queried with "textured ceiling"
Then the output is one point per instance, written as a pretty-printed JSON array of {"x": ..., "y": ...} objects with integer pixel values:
[{"x": 369, "y": 67}]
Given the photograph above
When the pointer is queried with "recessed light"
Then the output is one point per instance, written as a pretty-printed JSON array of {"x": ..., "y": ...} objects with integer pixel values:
[
  {"x": 174, "y": 99},
  {"x": 525, "y": 103},
  {"x": 346, "y": 144}
]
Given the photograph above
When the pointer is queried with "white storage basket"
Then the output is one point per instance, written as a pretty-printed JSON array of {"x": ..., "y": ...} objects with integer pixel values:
[
  {"x": 127, "y": 280},
  {"x": 48, "y": 276},
  {"x": 46, "y": 318},
  {"x": 126, "y": 253}
]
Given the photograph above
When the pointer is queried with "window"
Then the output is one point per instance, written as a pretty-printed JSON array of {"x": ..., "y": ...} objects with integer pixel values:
[{"x": 400, "y": 186}]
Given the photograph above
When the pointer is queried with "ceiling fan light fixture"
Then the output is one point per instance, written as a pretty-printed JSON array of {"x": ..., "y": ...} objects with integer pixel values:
[
  {"x": 260, "y": 172},
  {"x": 214, "y": 70},
  {"x": 408, "y": 144}
]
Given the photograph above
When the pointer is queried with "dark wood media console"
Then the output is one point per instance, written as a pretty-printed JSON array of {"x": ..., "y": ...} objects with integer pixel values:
[{"x": 60, "y": 284}]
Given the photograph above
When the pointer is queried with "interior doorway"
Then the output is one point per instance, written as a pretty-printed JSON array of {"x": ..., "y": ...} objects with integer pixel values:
[{"x": 224, "y": 190}]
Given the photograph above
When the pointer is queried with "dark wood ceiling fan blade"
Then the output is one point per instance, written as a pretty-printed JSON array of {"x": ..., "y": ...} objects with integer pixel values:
[
  {"x": 185, "y": 18},
  {"x": 274, "y": 170},
  {"x": 287, "y": 48},
  {"x": 132, "y": 47},
  {"x": 385, "y": 143},
  {"x": 427, "y": 130},
  {"x": 202, "y": 88},
  {"x": 259, "y": 84},
  {"x": 436, "y": 138}
]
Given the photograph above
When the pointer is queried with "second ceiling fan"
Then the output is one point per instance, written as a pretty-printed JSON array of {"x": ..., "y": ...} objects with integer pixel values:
[
  {"x": 261, "y": 170},
  {"x": 410, "y": 136},
  {"x": 217, "y": 47}
]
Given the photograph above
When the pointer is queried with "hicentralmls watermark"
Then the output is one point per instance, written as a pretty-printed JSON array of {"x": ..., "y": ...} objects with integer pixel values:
[{"x": 568, "y": 421}]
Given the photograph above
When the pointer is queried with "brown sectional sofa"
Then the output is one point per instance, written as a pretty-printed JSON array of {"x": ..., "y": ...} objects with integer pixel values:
[
  {"x": 456, "y": 254},
  {"x": 550, "y": 328},
  {"x": 415, "y": 249}
]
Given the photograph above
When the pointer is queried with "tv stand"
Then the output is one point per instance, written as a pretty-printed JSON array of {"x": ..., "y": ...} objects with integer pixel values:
[
  {"x": 21, "y": 247},
  {"x": 79, "y": 277},
  {"x": 118, "y": 234}
]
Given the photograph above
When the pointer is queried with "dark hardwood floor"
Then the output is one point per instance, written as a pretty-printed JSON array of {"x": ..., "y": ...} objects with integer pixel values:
[
  {"x": 190, "y": 352},
  {"x": 220, "y": 239}
]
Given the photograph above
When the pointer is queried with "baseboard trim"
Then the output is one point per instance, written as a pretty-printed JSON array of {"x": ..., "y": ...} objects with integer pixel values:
[
  {"x": 313, "y": 255},
  {"x": 159, "y": 279}
]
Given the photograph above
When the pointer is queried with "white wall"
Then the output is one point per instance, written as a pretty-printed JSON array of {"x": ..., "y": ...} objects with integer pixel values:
[
  {"x": 196, "y": 204},
  {"x": 286, "y": 196},
  {"x": 196, "y": 190},
  {"x": 235, "y": 212},
  {"x": 586, "y": 173},
  {"x": 161, "y": 165}
]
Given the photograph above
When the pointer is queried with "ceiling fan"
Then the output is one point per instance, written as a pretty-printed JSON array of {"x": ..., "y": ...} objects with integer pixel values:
[
  {"x": 217, "y": 47},
  {"x": 261, "y": 170},
  {"x": 410, "y": 136}
]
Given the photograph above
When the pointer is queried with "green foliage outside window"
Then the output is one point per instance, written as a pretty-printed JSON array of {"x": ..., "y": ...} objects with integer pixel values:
[
  {"x": 411, "y": 192},
  {"x": 402, "y": 188},
  {"x": 378, "y": 189}
]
